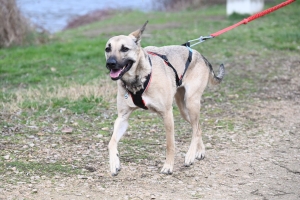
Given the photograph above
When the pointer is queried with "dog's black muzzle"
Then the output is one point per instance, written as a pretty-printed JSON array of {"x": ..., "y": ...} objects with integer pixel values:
[{"x": 117, "y": 70}]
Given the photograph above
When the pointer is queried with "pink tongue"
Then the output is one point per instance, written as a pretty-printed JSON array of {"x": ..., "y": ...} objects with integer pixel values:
[{"x": 114, "y": 73}]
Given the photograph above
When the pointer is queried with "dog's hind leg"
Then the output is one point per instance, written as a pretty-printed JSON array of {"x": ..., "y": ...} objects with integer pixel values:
[
  {"x": 120, "y": 127},
  {"x": 197, "y": 148},
  {"x": 189, "y": 107},
  {"x": 179, "y": 97},
  {"x": 170, "y": 153}
]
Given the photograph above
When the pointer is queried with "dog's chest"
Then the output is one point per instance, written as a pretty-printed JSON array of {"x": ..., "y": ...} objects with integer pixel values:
[{"x": 134, "y": 85}]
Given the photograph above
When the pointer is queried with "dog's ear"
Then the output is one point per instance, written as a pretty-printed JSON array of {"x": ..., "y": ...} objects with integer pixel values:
[{"x": 137, "y": 35}]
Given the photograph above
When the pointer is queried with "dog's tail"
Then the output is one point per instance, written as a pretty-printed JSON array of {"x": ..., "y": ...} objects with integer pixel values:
[{"x": 215, "y": 80}]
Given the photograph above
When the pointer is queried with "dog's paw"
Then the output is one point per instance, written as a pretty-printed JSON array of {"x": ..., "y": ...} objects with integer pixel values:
[
  {"x": 115, "y": 166},
  {"x": 200, "y": 155},
  {"x": 189, "y": 158},
  {"x": 167, "y": 169},
  {"x": 194, "y": 153}
]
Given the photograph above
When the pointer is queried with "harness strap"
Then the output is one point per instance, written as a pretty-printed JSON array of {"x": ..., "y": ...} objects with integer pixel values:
[
  {"x": 189, "y": 60},
  {"x": 164, "y": 57},
  {"x": 137, "y": 97},
  {"x": 187, "y": 64}
]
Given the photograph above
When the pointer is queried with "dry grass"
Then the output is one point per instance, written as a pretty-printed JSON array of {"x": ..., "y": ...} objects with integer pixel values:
[
  {"x": 91, "y": 17},
  {"x": 104, "y": 88},
  {"x": 13, "y": 26}
]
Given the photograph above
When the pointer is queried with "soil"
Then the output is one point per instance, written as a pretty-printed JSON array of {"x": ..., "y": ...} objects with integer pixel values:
[{"x": 254, "y": 155}]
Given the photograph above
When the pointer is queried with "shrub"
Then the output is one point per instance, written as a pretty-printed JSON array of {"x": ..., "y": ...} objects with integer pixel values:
[{"x": 13, "y": 26}]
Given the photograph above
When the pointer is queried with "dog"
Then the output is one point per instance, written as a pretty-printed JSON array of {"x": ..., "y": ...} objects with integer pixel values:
[{"x": 147, "y": 79}]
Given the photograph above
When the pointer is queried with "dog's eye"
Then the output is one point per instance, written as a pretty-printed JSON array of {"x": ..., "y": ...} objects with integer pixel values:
[
  {"x": 107, "y": 49},
  {"x": 124, "y": 49}
]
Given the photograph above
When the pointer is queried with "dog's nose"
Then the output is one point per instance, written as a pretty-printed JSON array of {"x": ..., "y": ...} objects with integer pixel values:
[{"x": 111, "y": 63}]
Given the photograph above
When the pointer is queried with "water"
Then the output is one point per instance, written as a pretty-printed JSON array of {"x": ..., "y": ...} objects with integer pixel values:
[{"x": 53, "y": 15}]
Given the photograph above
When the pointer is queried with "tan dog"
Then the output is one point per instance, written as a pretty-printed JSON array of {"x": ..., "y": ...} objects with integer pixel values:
[{"x": 132, "y": 66}]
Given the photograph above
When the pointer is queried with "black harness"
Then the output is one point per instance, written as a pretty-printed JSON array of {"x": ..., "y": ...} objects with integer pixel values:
[{"x": 137, "y": 97}]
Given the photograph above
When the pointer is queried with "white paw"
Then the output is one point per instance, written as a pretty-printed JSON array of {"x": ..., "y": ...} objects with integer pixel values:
[
  {"x": 190, "y": 157},
  {"x": 193, "y": 154},
  {"x": 114, "y": 163},
  {"x": 167, "y": 169}
]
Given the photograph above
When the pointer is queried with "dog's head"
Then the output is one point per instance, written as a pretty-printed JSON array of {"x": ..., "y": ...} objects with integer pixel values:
[{"x": 122, "y": 53}]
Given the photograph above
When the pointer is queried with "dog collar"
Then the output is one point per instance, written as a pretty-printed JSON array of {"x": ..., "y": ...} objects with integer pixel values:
[{"x": 137, "y": 97}]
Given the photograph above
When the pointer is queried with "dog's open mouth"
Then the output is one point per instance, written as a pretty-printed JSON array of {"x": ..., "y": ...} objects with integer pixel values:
[{"x": 116, "y": 74}]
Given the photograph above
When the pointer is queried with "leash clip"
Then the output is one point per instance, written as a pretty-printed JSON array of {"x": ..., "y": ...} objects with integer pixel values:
[{"x": 200, "y": 40}]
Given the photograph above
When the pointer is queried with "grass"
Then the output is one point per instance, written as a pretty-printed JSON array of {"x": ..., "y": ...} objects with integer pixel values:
[
  {"x": 64, "y": 83},
  {"x": 51, "y": 63},
  {"x": 33, "y": 168},
  {"x": 28, "y": 171}
]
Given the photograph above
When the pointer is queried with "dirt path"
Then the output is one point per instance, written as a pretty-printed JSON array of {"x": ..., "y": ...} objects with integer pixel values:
[
  {"x": 253, "y": 151},
  {"x": 259, "y": 161},
  {"x": 249, "y": 163}
]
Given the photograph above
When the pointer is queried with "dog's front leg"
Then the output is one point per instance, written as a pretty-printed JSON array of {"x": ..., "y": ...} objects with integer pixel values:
[
  {"x": 170, "y": 153},
  {"x": 120, "y": 127}
]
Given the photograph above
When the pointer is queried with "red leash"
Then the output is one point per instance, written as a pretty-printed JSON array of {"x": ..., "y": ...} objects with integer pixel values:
[{"x": 244, "y": 21}]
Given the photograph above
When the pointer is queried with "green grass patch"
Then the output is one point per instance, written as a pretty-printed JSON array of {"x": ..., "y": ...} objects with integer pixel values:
[
  {"x": 237, "y": 17},
  {"x": 82, "y": 105},
  {"x": 227, "y": 124},
  {"x": 35, "y": 168},
  {"x": 54, "y": 63}
]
